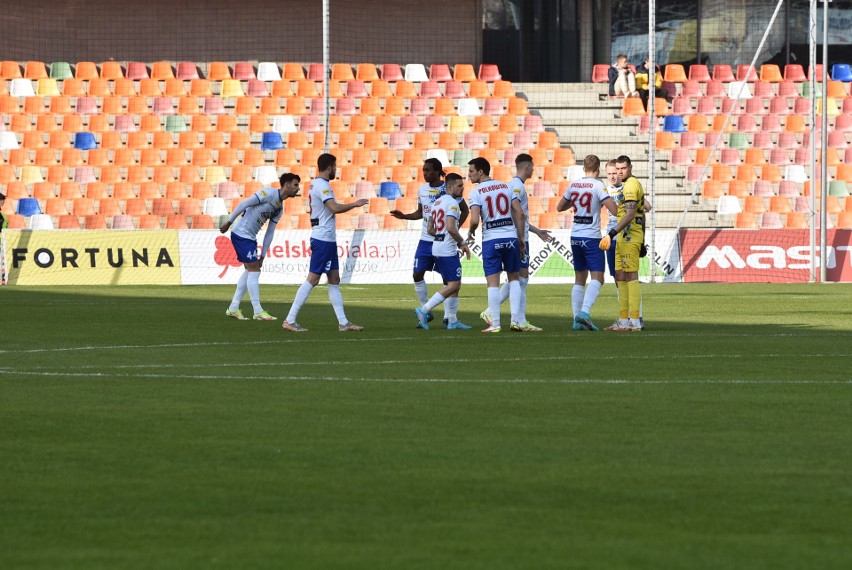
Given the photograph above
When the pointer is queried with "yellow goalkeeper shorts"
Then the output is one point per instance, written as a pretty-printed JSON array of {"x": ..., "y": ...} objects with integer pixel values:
[{"x": 627, "y": 256}]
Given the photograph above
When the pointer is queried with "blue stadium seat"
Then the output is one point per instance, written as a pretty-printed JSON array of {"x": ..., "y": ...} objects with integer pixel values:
[
  {"x": 28, "y": 207},
  {"x": 674, "y": 124},
  {"x": 841, "y": 72},
  {"x": 389, "y": 190},
  {"x": 271, "y": 141},
  {"x": 85, "y": 141}
]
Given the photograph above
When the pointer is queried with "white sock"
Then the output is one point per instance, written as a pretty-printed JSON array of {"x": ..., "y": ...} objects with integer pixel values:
[
  {"x": 422, "y": 291},
  {"x": 577, "y": 298},
  {"x": 640, "y": 307},
  {"x": 591, "y": 295},
  {"x": 515, "y": 299},
  {"x": 522, "y": 309},
  {"x": 240, "y": 292},
  {"x": 253, "y": 284},
  {"x": 337, "y": 302},
  {"x": 494, "y": 305},
  {"x": 436, "y": 300},
  {"x": 451, "y": 309},
  {"x": 301, "y": 296},
  {"x": 504, "y": 292}
]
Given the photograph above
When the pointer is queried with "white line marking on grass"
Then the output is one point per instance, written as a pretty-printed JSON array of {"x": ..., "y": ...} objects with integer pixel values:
[
  {"x": 422, "y": 361},
  {"x": 427, "y": 380},
  {"x": 197, "y": 344}
]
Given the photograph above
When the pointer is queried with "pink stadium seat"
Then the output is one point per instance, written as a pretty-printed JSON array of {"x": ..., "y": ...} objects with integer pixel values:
[
  {"x": 489, "y": 72},
  {"x": 316, "y": 72},
  {"x": 680, "y": 157},
  {"x": 755, "y": 107},
  {"x": 392, "y": 72},
  {"x": 689, "y": 141},
  {"x": 778, "y": 106},
  {"x": 187, "y": 70},
  {"x": 699, "y": 73},
  {"x": 706, "y": 106},
  {"x": 430, "y": 89},
  {"x": 440, "y": 72},
  {"x": 788, "y": 90},
  {"x": 691, "y": 88},
  {"x": 683, "y": 106},
  {"x": 794, "y": 72},
  {"x": 722, "y": 72},
  {"x": 743, "y": 73},
  {"x": 600, "y": 73},
  {"x": 715, "y": 88},
  {"x": 763, "y": 89}
]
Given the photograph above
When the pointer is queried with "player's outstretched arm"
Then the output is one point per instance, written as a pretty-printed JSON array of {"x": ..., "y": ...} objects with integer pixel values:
[
  {"x": 338, "y": 208},
  {"x": 415, "y": 215},
  {"x": 543, "y": 235}
]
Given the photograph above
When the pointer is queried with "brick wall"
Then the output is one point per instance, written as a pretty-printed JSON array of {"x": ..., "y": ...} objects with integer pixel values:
[{"x": 401, "y": 31}]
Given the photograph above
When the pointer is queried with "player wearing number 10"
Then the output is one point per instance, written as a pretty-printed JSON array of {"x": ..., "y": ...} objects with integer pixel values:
[
  {"x": 586, "y": 196},
  {"x": 444, "y": 227},
  {"x": 503, "y": 244}
]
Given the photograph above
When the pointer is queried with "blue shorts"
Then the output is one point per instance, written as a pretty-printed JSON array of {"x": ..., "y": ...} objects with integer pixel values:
[
  {"x": 525, "y": 259},
  {"x": 587, "y": 255},
  {"x": 323, "y": 256},
  {"x": 246, "y": 248},
  {"x": 610, "y": 258},
  {"x": 501, "y": 255},
  {"x": 423, "y": 259},
  {"x": 449, "y": 267}
]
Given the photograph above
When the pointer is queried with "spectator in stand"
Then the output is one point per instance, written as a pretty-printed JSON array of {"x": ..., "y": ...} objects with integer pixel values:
[
  {"x": 642, "y": 82},
  {"x": 622, "y": 81}
]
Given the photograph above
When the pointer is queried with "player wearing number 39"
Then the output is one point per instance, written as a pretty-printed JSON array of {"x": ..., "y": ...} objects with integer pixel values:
[
  {"x": 250, "y": 215},
  {"x": 503, "y": 244},
  {"x": 444, "y": 227},
  {"x": 586, "y": 196}
]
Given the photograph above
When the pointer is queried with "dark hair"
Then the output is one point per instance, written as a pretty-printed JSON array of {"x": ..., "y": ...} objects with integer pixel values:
[
  {"x": 2, "y": 196},
  {"x": 324, "y": 161},
  {"x": 523, "y": 157},
  {"x": 288, "y": 177},
  {"x": 452, "y": 177},
  {"x": 591, "y": 163},
  {"x": 435, "y": 164},
  {"x": 624, "y": 158},
  {"x": 481, "y": 164}
]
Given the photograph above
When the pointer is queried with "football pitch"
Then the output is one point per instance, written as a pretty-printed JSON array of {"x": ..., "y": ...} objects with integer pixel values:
[{"x": 141, "y": 428}]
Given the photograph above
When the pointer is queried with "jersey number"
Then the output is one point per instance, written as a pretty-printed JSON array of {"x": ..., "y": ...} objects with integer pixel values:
[
  {"x": 502, "y": 204},
  {"x": 584, "y": 199},
  {"x": 438, "y": 217}
]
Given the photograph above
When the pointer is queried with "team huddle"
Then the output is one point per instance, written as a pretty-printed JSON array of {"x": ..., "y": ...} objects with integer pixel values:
[{"x": 500, "y": 209}]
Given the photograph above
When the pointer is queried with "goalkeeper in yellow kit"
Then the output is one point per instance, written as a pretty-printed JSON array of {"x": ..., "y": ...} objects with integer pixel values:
[{"x": 629, "y": 235}]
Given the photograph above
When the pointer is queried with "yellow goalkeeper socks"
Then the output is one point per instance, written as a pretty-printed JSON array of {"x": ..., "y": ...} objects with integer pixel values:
[
  {"x": 635, "y": 302},
  {"x": 623, "y": 300}
]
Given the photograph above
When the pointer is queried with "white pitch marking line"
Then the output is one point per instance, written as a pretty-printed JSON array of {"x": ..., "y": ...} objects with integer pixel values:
[
  {"x": 433, "y": 380},
  {"x": 416, "y": 361},
  {"x": 197, "y": 344}
]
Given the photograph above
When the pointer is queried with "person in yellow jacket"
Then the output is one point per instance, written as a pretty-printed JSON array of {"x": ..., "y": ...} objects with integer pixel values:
[{"x": 643, "y": 80}]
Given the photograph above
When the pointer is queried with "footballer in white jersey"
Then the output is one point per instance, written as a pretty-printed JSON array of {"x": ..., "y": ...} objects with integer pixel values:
[
  {"x": 586, "y": 196},
  {"x": 499, "y": 210},
  {"x": 324, "y": 257},
  {"x": 433, "y": 188},
  {"x": 524, "y": 169},
  {"x": 247, "y": 219},
  {"x": 444, "y": 227}
]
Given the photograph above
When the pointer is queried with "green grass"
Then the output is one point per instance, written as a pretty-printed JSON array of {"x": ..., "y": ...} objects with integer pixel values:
[{"x": 143, "y": 429}]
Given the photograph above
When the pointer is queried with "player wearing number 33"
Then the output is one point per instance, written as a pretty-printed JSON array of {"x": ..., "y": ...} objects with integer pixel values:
[
  {"x": 444, "y": 227},
  {"x": 586, "y": 196},
  {"x": 499, "y": 209}
]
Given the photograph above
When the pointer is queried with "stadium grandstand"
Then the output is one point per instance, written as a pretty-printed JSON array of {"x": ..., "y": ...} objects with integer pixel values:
[{"x": 165, "y": 117}]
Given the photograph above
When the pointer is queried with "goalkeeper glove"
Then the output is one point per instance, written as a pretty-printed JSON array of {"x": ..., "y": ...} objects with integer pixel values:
[{"x": 606, "y": 241}]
